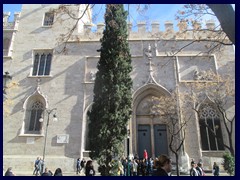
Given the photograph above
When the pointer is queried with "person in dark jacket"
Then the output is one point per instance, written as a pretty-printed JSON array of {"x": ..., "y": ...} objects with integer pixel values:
[
  {"x": 82, "y": 164},
  {"x": 164, "y": 166},
  {"x": 9, "y": 172},
  {"x": 200, "y": 170},
  {"x": 89, "y": 169},
  {"x": 58, "y": 172},
  {"x": 47, "y": 172},
  {"x": 193, "y": 170},
  {"x": 215, "y": 169}
]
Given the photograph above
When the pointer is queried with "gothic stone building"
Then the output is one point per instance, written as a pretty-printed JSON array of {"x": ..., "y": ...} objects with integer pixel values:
[{"x": 45, "y": 79}]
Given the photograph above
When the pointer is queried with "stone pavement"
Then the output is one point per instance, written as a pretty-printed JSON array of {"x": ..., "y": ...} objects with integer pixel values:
[
  {"x": 29, "y": 173},
  {"x": 97, "y": 174}
]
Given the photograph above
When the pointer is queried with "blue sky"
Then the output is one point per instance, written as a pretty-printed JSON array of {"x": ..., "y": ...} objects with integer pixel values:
[{"x": 155, "y": 12}]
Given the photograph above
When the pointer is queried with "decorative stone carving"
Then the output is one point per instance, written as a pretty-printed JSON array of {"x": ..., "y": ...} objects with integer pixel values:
[
  {"x": 92, "y": 75},
  {"x": 148, "y": 52},
  {"x": 202, "y": 75},
  {"x": 208, "y": 112}
]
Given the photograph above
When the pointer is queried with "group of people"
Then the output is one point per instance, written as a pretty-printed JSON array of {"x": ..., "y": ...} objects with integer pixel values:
[
  {"x": 145, "y": 166},
  {"x": 135, "y": 167},
  {"x": 38, "y": 169},
  {"x": 89, "y": 169},
  {"x": 38, "y": 166},
  {"x": 197, "y": 169},
  {"x": 161, "y": 166}
]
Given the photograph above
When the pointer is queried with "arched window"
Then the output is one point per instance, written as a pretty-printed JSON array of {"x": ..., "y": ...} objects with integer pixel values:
[
  {"x": 36, "y": 112},
  {"x": 210, "y": 129}
]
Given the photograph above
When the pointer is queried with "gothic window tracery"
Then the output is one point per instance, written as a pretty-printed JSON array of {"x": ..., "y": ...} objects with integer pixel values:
[
  {"x": 35, "y": 113},
  {"x": 210, "y": 129}
]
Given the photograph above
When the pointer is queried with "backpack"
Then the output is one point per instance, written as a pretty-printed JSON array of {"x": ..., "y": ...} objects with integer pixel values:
[{"x": 91, "y": 172}]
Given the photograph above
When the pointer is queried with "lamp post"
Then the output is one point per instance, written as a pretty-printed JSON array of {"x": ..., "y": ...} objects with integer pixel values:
[
  {"x": 128, "y": 159},
  {"x": 49, "y": 111}
]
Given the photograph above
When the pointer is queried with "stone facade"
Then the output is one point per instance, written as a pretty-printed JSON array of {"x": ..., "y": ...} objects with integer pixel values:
[{"x": 157, "y": 71}]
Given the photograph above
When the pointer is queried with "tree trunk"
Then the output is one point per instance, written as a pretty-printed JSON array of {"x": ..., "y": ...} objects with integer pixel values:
[
  {"x": 177, "y": 166},
  {"x": 226, "y": 17}
]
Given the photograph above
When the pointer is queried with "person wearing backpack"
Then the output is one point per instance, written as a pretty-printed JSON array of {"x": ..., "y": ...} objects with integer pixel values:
[{"x": 89, "y": 170}]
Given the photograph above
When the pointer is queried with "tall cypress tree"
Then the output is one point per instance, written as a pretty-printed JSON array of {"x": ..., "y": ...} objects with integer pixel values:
[{"x": 112, "y": 101}]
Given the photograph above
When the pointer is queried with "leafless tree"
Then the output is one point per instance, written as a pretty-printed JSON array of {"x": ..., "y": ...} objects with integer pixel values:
[
  {"x": 220, "y": 94},
  {"x": 168, "y": 108}
]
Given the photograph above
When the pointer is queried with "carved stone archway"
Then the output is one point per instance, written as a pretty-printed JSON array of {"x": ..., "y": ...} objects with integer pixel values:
[{"x": 140, "y": 102}]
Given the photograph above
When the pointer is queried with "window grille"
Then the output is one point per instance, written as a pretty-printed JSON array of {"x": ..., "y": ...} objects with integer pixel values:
[{"x": 48, "y": 19}]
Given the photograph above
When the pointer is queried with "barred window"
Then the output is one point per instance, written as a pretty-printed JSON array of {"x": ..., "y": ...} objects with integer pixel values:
[
  {"x": 48, "y": 19},
  {"x": 36, "y": 113},
  {"x": 42, "y": 64},
  {"x": 210, "y": 129}
]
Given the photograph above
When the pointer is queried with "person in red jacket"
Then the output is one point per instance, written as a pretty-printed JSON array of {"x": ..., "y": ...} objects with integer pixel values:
[{"x": 145, "y": 154}]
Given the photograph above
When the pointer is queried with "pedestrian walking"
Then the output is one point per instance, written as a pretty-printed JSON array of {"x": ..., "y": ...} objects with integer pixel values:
[
  {"x": 89, "y": 169},
  {"x": 82, "y": 164},
  {"x": 125, "y": 166},
  {"x": 36, "y": 167},
  {"x": 134, "y": 167},
  {"x": 78, "y": 166},
  {"x": 41, "y": 166},
  {"x": 215, "y": 169},
  {"x": 120, "y": 168},
  {"x": 193, "y": 170},
  {"x": 199, "y": 169}
]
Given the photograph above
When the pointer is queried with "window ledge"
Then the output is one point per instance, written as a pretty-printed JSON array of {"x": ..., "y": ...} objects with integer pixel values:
[
  {"x": 44, "y": 26},
  {"x": 7, "y": 57},
  {"x": 47, "y": 76},
  {"x": 206, "y": 151},
  {"x": 31, "y": 135}
]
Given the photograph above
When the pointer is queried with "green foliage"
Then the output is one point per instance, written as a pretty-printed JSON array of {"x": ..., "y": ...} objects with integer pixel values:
[
  {"x": 112, "y": 99},
  {"x": 229, "y": 163}
]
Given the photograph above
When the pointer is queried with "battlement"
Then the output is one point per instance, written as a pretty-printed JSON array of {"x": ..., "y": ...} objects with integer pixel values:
[
  {"x": 10, "y": 25},
  {"x": 155, "y": 26},
  {"x": 184, "y": 31}
]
